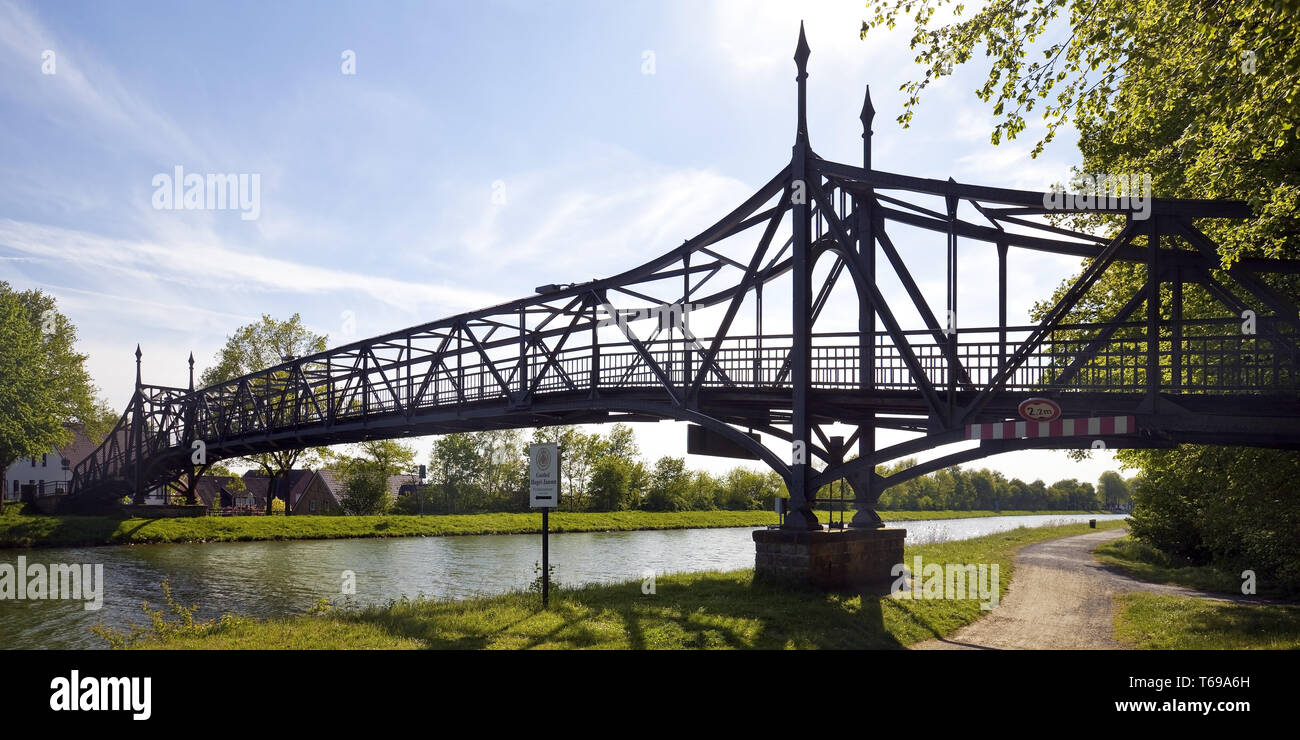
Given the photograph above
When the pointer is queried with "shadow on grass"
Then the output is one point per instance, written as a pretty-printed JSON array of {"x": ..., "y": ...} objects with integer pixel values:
[
  {"x": 65, "y": 530},
  {"x": 690, "y": 611}
]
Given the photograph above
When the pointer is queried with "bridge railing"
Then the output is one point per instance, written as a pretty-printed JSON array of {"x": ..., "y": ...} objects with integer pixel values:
[
  {"x": 1207, "y": 357},
  {"x": 1196, "y": 357}
]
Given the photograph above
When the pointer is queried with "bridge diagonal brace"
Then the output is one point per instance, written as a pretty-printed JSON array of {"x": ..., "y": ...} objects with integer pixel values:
[
  {"x": 1283, "y": 307},
  {"x": 1139, "y": 297},
  {"x": 881, "y": 307},
  {"x": 918, "y": 300},
  {"x": 396, "y": 394},
  {"x": 552, "y": 359},
  {"x": 1053, "y": 318},
  {"x": 751, "y": 276},
  {"x": 646, "y": 357}
]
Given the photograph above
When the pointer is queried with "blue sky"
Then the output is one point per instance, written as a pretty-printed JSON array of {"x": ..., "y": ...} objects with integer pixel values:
[{"x": 376, "y": 189}]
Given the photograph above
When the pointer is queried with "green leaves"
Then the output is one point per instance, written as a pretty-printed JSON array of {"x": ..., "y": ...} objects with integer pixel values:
[{"x": 43, "y": 379}]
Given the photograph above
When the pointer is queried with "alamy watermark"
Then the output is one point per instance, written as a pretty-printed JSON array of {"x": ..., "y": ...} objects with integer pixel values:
[
  {"x": 77, "y": 693},
  {"x": 947, "y": 581},
  {"x": 1108, "y": 191},
  {"x": 669, "y": 315},
  {"x": 62, "y": 581},
  {"x": 178, "y": 190}
]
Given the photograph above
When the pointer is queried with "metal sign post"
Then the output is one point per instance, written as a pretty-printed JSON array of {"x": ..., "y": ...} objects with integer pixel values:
[{"x": 544, "y": 494}]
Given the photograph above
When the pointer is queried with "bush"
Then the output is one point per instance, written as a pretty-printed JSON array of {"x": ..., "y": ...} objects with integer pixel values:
[
  {"x": 1232, "y": 507},
  {"x": 366, "y": 491}
]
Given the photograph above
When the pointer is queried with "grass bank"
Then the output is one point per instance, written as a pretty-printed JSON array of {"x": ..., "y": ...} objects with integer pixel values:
[
  {"x": 1144, "y": 562},
  {"x": 22, "y": 530},
  {"x": 1162, "y": 622},
  {"x": 695, "y": 610},
  {"x": 1159, "y": 622}
]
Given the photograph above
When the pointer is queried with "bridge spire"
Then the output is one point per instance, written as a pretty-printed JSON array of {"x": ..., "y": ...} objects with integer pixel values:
[
  {"x": 867, "y": 116},
  {"x": 800, "y": 516},
  {"x": 138, "y": 355},
  {"x": 191, "y": 371},
  {"x": 801, "y": 53}
]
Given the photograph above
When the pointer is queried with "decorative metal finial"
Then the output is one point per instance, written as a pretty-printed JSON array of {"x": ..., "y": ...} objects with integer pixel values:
[
  {"x": 191, "y": 371},
  {"x": 867, "y": 116},
  {"x": 138, "y": 355},
  {"x": 801, "y": 59},
  {"x": 801, "y": 52}
]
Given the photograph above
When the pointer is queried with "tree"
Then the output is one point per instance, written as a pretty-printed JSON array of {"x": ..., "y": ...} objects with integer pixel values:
[
  {"x": 1113, "y": 490},
  {"x": 455, "y": 465},
  {"x": 365, "y": 490},
  {"x": 615, "y": 484},
  {"x": 503, "y": 469},
  {"x": 388, "y": 456},
  {"x": 1203, "y": 96},
  {"x": 668, "y": 486},
  {"x": 742, "y": 489},
  {"x": 44, "y": 385},
  {"x": 258, "y": 346}
]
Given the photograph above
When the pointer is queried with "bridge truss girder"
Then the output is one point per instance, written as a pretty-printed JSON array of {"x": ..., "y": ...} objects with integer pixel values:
[{"x": 629, "y": 347}]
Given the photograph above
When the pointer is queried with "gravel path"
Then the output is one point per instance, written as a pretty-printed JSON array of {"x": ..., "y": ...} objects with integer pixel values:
[{"x": 1059, "y": 598}]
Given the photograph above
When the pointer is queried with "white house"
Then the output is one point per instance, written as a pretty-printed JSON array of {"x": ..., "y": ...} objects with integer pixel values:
[{"x": 51, "y": 472}]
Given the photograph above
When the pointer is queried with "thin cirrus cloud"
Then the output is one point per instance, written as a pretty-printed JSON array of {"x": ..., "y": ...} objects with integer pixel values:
[
  {"x": 83, "y": 90},
  {"x": 212, "y": 264}
]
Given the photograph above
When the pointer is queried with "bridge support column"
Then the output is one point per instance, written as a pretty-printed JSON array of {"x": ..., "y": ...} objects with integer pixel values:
[
  {"x": 852, "y": 559},
  {"x": 866, "y": 492},
  {"x": 801, "y": 516}
]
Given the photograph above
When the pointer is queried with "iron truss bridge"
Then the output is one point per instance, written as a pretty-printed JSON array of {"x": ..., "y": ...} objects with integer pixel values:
[{"x": 773, "y": 322}]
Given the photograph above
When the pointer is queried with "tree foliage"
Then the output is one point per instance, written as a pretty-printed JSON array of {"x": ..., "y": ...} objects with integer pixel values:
[
  {"x": 258, "y": 346},
  {"x": 44, "y": 384},
  {"x": 1202, "y": 94}
]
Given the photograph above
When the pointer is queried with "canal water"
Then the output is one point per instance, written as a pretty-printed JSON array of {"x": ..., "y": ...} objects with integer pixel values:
[{"x": 264, "y": 579}]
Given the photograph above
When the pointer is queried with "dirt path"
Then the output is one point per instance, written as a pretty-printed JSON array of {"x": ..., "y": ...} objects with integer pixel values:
[{"x": 1059, "y": 598}]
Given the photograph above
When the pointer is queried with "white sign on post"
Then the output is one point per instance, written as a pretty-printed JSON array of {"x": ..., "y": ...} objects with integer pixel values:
[{"x": 544, "y": 476}]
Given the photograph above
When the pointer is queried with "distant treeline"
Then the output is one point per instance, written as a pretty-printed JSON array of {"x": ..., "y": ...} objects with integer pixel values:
[{"x": 487, "y": 471}]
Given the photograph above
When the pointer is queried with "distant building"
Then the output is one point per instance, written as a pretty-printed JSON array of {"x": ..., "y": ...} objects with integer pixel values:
[
  {"x": 51, "y": 472},
  {"x": 306, "y": 491},
  {"x": 221, "y": 491},
  {"x": 399, "y": 485}
]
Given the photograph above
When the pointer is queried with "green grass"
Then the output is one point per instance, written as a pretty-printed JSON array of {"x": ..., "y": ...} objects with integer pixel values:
[
  {"x": 916, "y": 516},
  {"x": 1160, "y": 622},
  {"x": 1144, "y": 562},
  {"x": 695, "y": 610},
  {"x": 20, "y": 530}
]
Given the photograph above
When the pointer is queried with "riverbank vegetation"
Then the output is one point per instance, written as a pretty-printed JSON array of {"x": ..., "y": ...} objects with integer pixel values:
[
  {"x": 683, "y": 611},
  {"x": 20, "y": 530},
  {"x": 1143, "y": 561},
  {"x": 487, "y": 471},
  {"x": 1165, "y": 622}
]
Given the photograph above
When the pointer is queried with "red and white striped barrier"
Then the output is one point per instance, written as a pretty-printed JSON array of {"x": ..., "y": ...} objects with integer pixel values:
[{"x": 1088, "y": 427}]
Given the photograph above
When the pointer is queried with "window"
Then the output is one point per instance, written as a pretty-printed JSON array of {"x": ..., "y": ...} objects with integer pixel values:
[
  {"x": 33, "y": 462},
  {"x": 67, "y": 464},
  {"x": 16, "y": 482},
  {"x": 44, "y": 460}
]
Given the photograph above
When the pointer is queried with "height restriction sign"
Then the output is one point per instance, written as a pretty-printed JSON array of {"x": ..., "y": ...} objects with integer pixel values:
[{"x": 544, "y": 476}]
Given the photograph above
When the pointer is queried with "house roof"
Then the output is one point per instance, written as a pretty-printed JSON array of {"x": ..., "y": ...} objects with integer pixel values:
[
  {"x": 295, "y": 481},
  {"x": 210, "y": 487},
  {"x": 80, "y": 446},
  {"x": 396, "y": 482}
]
